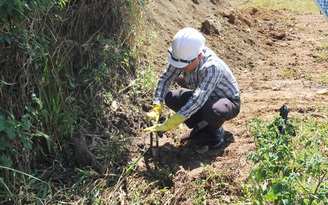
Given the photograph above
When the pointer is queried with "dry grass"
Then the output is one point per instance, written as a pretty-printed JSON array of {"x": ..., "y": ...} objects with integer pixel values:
[{"x": 301, "y": 6}]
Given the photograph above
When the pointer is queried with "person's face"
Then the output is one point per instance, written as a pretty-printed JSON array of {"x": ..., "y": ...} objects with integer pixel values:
[{"x": 192, "y": 65}]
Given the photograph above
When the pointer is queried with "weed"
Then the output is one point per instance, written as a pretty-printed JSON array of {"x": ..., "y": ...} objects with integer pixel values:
[
  {"x": 324, "y": 46},
  {"x": 320, "y": 56},
  {"x": 290, "y": 73},
  {"x": 323, "y": 79}
]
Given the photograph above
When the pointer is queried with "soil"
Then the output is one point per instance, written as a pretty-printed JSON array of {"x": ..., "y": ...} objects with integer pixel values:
[{"x": 278, "y": 58}]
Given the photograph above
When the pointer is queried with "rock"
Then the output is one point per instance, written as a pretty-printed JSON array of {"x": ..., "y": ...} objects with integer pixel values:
[
  {"x": 211, "y": 25},
  {"x": 269, "y": 42},
  {"x": 83, "y": 157},
  {"x": 246, "y": 21},
  {"x": 202, "y": 149},
  {"x": 214, "y": 2},
  {"x": 279, "y": 35},
  {"x": 114, "y": 106},
  {"x": 232, "y": 19},
  {"x": 323, "y": 92},
  {"x": 196, "y": 173}
]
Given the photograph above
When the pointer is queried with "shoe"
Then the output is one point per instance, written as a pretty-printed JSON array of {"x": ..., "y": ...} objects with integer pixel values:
[
  {"x": 218, "y": 139},
  {"x": 199, "y": 128}
]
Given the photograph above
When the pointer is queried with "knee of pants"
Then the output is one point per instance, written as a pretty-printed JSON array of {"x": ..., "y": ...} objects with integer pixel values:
[
  {"x": 213, "y": 118},
  {"x": 210, "y": 115},
  {"x": 176, "y": 99},
  {"x": 219, "y": 111}
]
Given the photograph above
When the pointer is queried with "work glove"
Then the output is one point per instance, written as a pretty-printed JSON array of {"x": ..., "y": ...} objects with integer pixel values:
[
  {"x": 169, "y": 124},
  {"x": 154, "y": 113}
]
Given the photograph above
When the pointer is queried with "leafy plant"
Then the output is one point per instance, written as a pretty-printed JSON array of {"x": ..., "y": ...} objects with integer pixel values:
[
  {"x": 289, "y": 169},
  {"x": 58, "y": 61},
  {"x": 19, "y": 137}
]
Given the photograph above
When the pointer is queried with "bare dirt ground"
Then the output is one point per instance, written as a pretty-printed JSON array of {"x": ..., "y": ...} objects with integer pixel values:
[{"x": 278, "y": 58}]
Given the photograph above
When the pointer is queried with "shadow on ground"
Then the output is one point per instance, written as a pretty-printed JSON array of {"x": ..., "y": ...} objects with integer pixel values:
[{"x": 184, "y": 155}]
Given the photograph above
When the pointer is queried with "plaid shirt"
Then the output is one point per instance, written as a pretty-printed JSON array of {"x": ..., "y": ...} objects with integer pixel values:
[
  {"x": 212, "y": 79},
  {"x": 323, "y": 5}
]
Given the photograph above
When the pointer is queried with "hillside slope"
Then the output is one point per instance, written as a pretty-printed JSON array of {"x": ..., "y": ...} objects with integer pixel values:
[{"x": 276, "y": 57}]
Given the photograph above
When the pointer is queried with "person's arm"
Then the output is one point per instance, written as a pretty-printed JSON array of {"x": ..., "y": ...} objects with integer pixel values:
[
  {"x": 170, "y": 73},
  {"x": 164, "y": 82}
]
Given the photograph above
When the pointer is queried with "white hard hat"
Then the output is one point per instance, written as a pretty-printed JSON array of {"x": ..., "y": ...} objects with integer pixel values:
[{"x": 186, "y": 45}]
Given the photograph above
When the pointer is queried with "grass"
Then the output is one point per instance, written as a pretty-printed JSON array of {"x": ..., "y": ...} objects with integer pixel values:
[
  {"x": 302, "y": 6},
  {"x": 320, "y": 56},
  {"x": 324, "y": 45},
  {"x": 323, "y": 79}
]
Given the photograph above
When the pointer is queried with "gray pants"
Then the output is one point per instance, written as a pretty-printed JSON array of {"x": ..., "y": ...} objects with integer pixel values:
[{"x": 215, "y": 112}]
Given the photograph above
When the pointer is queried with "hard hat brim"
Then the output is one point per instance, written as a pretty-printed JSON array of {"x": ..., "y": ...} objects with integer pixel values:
[{"x": 175, "y": 63}]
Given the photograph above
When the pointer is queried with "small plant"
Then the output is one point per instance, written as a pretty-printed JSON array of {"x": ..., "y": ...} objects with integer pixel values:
[
  {"x": 290, "y": 73},
  {"x": 323, "y": 79},
  {"x": 320, "y": 56},
  {"x": 324, "y": 46}
]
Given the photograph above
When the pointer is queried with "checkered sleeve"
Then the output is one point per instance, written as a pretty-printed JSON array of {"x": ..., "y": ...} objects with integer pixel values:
[
  {"x": 170, "y": 73},
  {"x": 323, "y": 5}
]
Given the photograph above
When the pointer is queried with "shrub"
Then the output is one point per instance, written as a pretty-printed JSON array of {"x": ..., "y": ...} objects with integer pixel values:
[
  {"x": 58, "y": 58},
  {"x": 289, "y": 169}
]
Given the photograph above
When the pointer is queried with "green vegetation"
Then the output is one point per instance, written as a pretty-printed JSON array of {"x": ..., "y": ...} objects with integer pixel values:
[
  {"x": 324, "y": 45},
  {"x": 321, "y": 54},
  {"x": 323, "y": 79},
  {"x": 290, "y": 169},
  {"x": 62, "y": 64}
]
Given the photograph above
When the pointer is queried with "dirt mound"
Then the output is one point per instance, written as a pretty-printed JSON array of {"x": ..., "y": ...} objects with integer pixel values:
[{"x": 233, "y": 42}]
